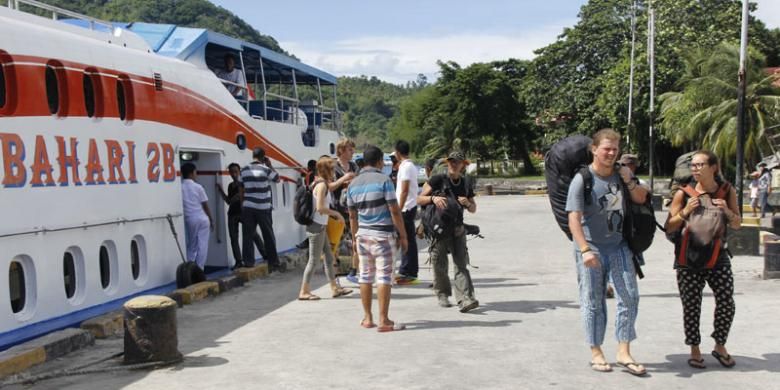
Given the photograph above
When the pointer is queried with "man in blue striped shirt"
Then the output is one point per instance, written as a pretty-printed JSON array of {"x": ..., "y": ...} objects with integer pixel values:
[
  {"x": 256, "y": 209},
  {"x": 375, "y": 218}
]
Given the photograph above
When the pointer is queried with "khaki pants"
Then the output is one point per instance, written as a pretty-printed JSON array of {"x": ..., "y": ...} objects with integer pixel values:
[{"x": 464, "y": 288}]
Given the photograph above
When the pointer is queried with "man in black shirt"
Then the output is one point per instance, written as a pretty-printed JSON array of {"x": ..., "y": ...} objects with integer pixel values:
[
  {"x": 233, "y": 199},
  {"x": 435, "y": 192}
]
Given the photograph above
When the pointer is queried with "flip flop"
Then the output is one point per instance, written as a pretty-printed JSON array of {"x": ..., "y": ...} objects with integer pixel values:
[
  {"x": 600, "y": 366},
  {"x": 367, "y": 325},
  {"x": 630, "y": 367},
  {"x": 697, "y": 363},
  {"x": 310, "y": 297},
  {"x": 391, "y": 328},
  {"x": 724, "y": 360},
  {"x": 341, "y": 292}
]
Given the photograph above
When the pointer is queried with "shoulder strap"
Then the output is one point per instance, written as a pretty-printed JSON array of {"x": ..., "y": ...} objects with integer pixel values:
[
  {"x": 587, "y": 183},
  {"x": 690, "y": 191},
  {"x": 723, "y": 191}
]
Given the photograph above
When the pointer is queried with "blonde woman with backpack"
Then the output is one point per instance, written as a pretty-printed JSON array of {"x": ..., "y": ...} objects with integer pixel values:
[
  {"x": 699, "y": 217},
  {"x": 317, "y": 233}
]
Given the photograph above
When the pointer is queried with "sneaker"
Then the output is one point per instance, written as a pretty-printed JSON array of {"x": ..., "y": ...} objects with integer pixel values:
[
  {"x": 610, "y": 291},
  {"x": 281, "y": 268},
  {"x": 352, "y": 278},
  {"x": 444, "y": 301},
  {"x": 469, "y": 306},
  {"x": 403, "y": 280}
]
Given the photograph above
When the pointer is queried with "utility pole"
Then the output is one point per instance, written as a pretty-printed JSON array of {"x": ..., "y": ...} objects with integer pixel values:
[
  {"x": 631, "y": 76},
  {"x": 741, "y": 103},
  {"x": 651, "y": 60}
]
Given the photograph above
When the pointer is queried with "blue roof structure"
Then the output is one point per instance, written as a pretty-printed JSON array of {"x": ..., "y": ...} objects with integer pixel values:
[{"x": 183, "y": 42}]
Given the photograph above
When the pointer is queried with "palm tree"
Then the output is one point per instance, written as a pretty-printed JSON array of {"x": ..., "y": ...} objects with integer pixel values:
[{"x": 704, "y": 113}]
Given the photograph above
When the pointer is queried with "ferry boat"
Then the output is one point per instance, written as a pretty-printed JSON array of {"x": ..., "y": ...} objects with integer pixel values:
[{"x": 96, "y": 118}]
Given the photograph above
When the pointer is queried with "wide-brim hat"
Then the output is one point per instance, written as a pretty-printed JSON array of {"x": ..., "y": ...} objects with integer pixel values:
[{"x": 629, "y": 159}]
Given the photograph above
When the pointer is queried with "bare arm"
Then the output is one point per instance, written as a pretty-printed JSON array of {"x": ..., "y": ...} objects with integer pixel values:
[
  {"x": 398, "y": 221},
  {"x": 589, "y": 258},
  {"x": 732, "y": 212},
  {"x": 404, "y": 193},
  {"x": 424, "y": 198},
  {"x": 677, "y": 216},
  {"x": 321, "y": 195},
  {"x": 353, "y": 227}
]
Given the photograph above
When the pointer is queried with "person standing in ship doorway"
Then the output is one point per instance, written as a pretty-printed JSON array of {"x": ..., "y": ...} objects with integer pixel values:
[
  {"x": 257, "y": 207},
  {"x": 235, "y": 76},
  {"x": 197, "y": 216},
  {"x": 233, "y": 199}
]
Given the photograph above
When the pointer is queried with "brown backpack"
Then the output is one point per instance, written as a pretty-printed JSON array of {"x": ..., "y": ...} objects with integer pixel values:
[{"x": 703, "y": 235}]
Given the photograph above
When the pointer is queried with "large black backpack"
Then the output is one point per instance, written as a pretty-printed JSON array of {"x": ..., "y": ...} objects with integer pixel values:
[
  {"x": 303, "y": 204},
  {"x": 438, "y": 222},
  {"x": 567, "y": 157}
]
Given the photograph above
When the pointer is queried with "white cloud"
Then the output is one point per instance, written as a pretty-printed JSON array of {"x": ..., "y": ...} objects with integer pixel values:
[
  {"x": 768, "y": 11},
  {"x": 398, "y": 59}
]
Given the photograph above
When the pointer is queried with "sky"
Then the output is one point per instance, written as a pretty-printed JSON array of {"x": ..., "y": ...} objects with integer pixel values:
[{"x": 396, "y": 40}]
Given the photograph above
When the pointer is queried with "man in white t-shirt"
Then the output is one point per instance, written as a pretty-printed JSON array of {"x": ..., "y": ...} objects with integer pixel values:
[
  {"x": 406, "y": 190},
  {"x": 236, "y": 76},
  {"x": 197, "y": 217}
]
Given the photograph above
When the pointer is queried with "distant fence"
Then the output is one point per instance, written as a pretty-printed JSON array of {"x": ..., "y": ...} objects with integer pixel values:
[{"x": 506, "y": 168}]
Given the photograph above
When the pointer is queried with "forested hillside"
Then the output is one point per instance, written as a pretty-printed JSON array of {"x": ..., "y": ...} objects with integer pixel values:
[{"x": 190, "y": 13}]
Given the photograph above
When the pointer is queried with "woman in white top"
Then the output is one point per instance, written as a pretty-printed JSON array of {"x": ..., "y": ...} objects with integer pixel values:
[{"x": 318, "y": 236}]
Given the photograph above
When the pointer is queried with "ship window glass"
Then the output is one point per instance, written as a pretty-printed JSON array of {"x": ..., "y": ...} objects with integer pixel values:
[
  {"x": 52, "y": 90},
  {"x": 121, "y": 99},
  {"x": 2, "y": 85},
  {"x": 16, "y": 283},
  {"x": 89, "y": 95},
  {"x": 69, "y": 274},
  {"x": 105, "y": 267},
  {"x": 284, "y": 194},
  {"x": 332, "y": 148},
  {"x": 241, "y": 141},
  {"x": 135, "y": 259}
]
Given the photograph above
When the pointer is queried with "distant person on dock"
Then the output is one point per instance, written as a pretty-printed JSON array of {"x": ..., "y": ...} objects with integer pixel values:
[
  {"x": 375, "y": 217},
  {"x": 764, "y": 188},
  {"x": 699, "y": 219},
  {"x": 317, "y": 234},
  {"x": 197, "y": 216},
  {"x": 601, "y": 253},
  {"x": 754, "y": 191},
  {"x": 441, "y": 190},
  {"x": 406, "y": 191},
  {"x": 233, "y": 75},
  {"x": 257, "y": 207},
  {"x": 233, "y": 199},
  {"x": 345, "y": 170}
]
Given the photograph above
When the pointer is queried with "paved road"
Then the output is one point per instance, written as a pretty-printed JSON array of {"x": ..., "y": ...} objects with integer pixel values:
[{"x": 526, "y": 334}]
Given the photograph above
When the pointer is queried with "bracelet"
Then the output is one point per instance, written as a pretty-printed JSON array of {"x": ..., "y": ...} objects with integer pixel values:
[
  {"x": 682, "y": 217},
  {"x": 585, "y": 250},
  {"x": 431, "y": 198}
]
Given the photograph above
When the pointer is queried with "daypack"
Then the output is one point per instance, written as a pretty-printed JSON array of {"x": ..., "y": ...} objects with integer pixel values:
[
  {"x": 438, "y": 222},
  {"x": 303, "y": 204},
  {"x": 702, "y": 239},
  {"x": 640, "y": 223},
  {"x": 564, "y": 160}
]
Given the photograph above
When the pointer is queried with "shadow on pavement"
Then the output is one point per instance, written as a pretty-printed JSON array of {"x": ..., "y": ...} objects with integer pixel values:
[
  {"x": 678, "y": 365},
  {"x": 530, "y": 307},
  {"x": 428, "y": 324}
]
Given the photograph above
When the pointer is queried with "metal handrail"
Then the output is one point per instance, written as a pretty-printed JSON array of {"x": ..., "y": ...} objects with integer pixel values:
[
  {"x": 87, "y": 225},
  {"x": 14, "y": 4}
]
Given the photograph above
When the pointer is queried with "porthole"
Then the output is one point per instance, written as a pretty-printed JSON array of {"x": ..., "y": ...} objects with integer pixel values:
[
  {"x": 52, "y": 90},
  {"x": 332, "y": 148},
  {"x": 124, "y": 98},
  {"x": 105, "y": 267},
  {"x": 3, "y": 87},
  {"x": 241, "y": 142},
  {"x": 138, "y": 264},
  {"x": 69, "y": 274},
  {"x": 121, "y": 99},
  {"x": 16, "y": 283},
  {"x": 284, "y": 195},
  {"x": 22, "y": 287},
  {"x": 89, "y": 94}
]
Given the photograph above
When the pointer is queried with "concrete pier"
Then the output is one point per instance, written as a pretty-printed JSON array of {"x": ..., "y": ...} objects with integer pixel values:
[{"x": 527, "y": 333}]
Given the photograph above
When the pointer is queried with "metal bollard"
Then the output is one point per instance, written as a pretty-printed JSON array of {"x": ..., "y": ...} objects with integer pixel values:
[
  {"x": 772, "y": 260},
  {"x": 150, "y": 330}
]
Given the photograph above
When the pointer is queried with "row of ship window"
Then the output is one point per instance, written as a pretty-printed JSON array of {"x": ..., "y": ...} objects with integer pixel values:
[
  {"x": 55, "y": 78},
  {"x": 21, "y": 273}
]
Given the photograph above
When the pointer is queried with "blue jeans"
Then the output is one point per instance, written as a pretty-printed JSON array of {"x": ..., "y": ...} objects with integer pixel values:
[
  {"x": 615, "y": 265},
  {"x": 763, "y": 202}
]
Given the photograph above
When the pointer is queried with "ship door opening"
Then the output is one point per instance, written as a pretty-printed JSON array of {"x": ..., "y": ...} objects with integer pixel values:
[{"x": 210, "y": 167}]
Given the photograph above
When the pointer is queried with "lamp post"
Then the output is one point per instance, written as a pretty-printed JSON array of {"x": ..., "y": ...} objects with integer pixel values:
[{"x": 741, "y": 104}]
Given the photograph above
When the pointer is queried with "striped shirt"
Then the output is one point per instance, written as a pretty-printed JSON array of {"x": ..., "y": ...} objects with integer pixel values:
[
  {"x": 256, "y": 179},
  {"x": 370, "y": 194}
]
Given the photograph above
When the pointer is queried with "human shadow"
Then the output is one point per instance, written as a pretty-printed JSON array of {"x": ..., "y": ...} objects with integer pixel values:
[
  {"x": 528, "y": 307},
  {"x": 676, "y": 295},
  {"x": 678, "y": 364},
  {"x": 430, "y": 324}
]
